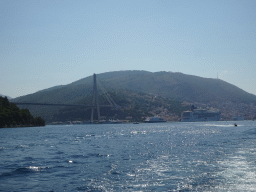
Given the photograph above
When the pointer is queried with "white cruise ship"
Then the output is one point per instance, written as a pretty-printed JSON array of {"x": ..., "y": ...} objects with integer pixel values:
[{"x": 200, "y": 115}]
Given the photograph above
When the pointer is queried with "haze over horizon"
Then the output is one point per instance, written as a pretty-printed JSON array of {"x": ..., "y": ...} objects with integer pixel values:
[{"x": 49, "y": 43}]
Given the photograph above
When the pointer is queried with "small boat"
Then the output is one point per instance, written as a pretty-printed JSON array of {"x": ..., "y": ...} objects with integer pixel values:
[
  {"x": 235, "y": 124},
  {"x": 135, "y": 122}
]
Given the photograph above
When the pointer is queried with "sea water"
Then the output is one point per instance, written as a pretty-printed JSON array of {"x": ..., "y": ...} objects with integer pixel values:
[{"x": 203, "y": 156}]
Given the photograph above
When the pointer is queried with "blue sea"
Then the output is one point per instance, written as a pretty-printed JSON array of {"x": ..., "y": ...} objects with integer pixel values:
[{"x": 201, "y": 156}]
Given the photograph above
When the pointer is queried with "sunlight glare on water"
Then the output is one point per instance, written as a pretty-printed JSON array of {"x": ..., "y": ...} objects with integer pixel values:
[{"x": 211, "y": 156}]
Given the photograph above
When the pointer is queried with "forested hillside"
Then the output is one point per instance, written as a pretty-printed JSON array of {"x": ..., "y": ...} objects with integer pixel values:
[
  {"x": 12, "y": 116},
  {"x": 176, "y": 86}
]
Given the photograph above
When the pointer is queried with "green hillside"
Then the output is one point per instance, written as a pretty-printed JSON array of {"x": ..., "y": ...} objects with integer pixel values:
[
  {"x": 177, "y": 86},
  {"x": 135, "y": 91},
  {"x": 12, "y": 116}
]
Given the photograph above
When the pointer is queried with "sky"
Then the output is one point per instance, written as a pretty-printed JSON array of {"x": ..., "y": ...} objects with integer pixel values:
[{"x": 56, "y": 42}]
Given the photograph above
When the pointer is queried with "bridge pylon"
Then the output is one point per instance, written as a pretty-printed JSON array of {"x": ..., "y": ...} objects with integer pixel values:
[{"x": 95, "y": 99}]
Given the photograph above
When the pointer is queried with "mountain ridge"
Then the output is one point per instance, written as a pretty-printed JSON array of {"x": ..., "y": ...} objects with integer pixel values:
[
  {"x": 169, "y": 87},
  {"x": 180, "y": 86}
]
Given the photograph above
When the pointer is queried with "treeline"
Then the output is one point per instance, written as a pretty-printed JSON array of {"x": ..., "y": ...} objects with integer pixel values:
[{"x": 12, "y": 116}]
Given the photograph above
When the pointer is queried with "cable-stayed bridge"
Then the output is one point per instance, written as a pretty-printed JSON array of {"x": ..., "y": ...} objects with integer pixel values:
[{"x": 95, "y": 101}]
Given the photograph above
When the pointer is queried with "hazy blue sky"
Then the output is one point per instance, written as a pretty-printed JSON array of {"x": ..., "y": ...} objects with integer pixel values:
[{"x": 53, "y": 42}]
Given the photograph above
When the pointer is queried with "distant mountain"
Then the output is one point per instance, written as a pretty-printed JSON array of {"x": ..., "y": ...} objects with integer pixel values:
[
  {"x": 172, "y": 85},
  {"x": 165, "y": 85},
  {"x": 51, "y": 88},
  {"x": 176, "y": 85}
]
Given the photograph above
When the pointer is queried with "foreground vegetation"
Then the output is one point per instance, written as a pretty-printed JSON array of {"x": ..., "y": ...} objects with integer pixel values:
[{"x": 12, "y": 116}]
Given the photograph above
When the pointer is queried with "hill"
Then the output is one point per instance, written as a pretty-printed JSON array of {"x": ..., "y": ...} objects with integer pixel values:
[
  {"x": 138, "y": 87},
  {"x": 177, "y": 86},
  {"x": 12, "y": 116}
]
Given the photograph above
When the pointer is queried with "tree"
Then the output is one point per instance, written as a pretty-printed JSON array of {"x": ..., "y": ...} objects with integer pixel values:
[
  {"x": 12, "y": 116},
  {"x": 38, "y": 121}
]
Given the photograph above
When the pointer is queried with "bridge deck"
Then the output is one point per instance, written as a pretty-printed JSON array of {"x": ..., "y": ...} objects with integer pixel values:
[{"x": 58, "y": 104}]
